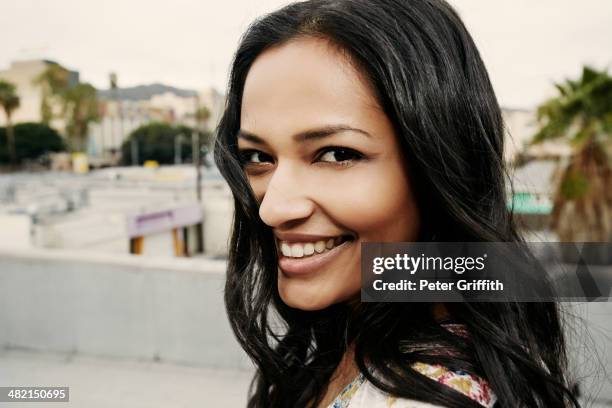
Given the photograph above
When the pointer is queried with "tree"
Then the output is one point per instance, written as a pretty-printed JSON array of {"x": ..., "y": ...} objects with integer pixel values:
[
  {"x": 79, "y": 103},
  {"x": 9, "y": 101},
  {"x": 32, "y": 140},
  {"x": 156, "y": 141},
  {"x": 80, "y": 108},
  {"x": 202, "y": 115},
  {"x": 582, "y": 115},
  {"x": 54, "y": 81}
]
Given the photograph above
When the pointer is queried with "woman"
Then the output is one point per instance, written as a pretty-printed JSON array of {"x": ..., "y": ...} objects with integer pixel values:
[{"x": 356, "y": 121}]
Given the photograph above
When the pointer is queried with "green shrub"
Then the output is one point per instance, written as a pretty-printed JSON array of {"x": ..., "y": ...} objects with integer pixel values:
[
  {"x": 32, "y": 140},
  {"x": 156, "y": 141}
]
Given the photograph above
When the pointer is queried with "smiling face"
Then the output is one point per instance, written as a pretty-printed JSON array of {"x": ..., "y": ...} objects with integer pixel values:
[{"x": 325, "y": 164}]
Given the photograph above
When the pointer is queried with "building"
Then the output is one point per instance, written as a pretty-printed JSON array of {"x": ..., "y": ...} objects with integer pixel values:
[
  {"x": 215, "y": 102},
  {"x": 23, "y": 74},
  {"x": 520, "y": 126},
  {"x": 124, "y": 110}
]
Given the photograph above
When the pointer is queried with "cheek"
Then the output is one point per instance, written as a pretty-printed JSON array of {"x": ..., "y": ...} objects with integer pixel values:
[
  {"x": 377, "y": 203},
  {"x": 259, "y": 185}
]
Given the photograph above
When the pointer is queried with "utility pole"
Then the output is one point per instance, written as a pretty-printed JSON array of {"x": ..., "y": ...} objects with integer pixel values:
[
  {"x": 114, "y": 98},
  {"x": 195, "y": 141},
  {"x": 178, "y": 141},
  {"x": 134, "y": 151},
  {"x": 119, "y": 111},
  {"x": 195, "y": 152}
]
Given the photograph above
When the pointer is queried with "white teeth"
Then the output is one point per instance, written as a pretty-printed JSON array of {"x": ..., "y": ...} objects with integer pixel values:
[
  {"x": 297, "y": 251},
  {"x": 308, "y": 249},
  {"x": 300, "y": 250},
  {"x": 285, "y": 249}
]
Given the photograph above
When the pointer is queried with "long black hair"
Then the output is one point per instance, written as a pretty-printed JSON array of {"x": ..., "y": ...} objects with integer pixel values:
[{"x": 432, "y": 84}]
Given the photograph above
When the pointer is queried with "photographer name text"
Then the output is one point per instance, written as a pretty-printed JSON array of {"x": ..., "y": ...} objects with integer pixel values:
[{"x": 462, "y": 285}]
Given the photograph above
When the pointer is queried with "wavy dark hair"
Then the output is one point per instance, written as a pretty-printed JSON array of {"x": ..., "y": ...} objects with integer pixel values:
[{"x": 432, "y": 84}]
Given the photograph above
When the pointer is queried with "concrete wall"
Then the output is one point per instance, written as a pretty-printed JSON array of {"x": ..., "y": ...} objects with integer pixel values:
[
  {"x": 121, "y": 306},
  {"x": 100, "y": 225},
  {"x": 15, "y": 231},
  {"x": 171, "y": 309}
]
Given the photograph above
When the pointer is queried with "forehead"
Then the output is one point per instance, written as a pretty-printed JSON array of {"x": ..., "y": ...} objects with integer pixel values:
[{"x": 304, "y": 83}]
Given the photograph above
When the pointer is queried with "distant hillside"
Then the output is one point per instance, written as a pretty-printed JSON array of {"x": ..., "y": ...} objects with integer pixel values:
[{"x": 140, "y": 92}]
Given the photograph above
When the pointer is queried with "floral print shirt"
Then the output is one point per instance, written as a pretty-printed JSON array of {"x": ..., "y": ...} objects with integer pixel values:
[{"x": 360, "y": 393}]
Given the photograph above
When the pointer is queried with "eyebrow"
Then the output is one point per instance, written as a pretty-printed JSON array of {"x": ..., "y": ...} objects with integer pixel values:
[{"x": 307, "y": 135}]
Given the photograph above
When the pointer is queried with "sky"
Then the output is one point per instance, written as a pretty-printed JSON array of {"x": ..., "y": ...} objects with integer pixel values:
[{"x": 527, "y": 45}]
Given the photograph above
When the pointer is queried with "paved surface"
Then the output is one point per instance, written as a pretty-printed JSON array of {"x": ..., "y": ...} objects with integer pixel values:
[
  {"x": 107, "y": 383},
  {"x": 104, "y": 383}
]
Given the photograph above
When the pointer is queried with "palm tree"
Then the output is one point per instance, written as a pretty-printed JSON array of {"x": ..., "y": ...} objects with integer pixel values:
[
  {"x": 9, "y": 101},
  {"x": 79, "y": 103},
  {"x": 54, "y": 81},
  {"x": 202, "y": 114},
  {"x": 582, "y": 115},
  {"x": 80, "y": 108}
]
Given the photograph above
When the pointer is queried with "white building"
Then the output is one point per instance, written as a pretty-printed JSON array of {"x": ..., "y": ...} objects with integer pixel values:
[
  {"x": 520, "y": 126},
  {"x": 23, "y": 75},
  {"x": 215, "y": 102},
  {"x": 122, "y": 115}
]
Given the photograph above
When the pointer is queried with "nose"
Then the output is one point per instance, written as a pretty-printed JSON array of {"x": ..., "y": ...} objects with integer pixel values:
[{"x": 286, "y": 198}]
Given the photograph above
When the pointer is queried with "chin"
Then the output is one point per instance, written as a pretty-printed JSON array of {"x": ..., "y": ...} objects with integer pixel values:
[
  {"x": 304, "y": 301},
  {"x": 304, "y": 304},
  {"x": 301, "y": 298}
]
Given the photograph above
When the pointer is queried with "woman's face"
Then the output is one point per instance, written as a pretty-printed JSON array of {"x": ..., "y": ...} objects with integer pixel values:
[{"x": 325, "y": 164}]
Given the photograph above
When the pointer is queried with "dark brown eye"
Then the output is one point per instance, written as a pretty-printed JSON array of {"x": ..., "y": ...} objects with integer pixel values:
[
  {"x": 339, "y": 154},
  {"x": 253, "y": 157}
]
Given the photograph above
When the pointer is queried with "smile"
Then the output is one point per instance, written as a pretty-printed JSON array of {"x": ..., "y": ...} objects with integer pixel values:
[
  {"x": 306, "y": 257},
  {"x": 304, "y": 249}
]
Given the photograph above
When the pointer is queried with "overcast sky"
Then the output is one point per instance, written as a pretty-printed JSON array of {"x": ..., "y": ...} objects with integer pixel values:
[{"x": 526, "y": 44}]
